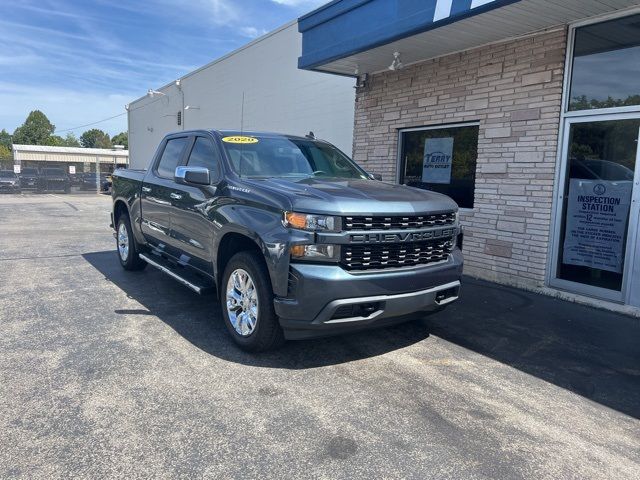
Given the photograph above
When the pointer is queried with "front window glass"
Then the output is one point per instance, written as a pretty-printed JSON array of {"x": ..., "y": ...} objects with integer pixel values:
[
  {"x": 288, "y": 157},
  {"x": 7, "y": 174},
  {"x": 204, "y": 154},
  {"x": 442, "y": 160},
  {"x": 606, "y": 65},
  {"x": 596, "y": 202},
  {"x": 29, "y": 171},
  {"x": 53, "y": 171}
]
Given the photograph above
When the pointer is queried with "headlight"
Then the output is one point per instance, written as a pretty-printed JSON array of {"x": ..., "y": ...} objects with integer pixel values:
[
  {"x": 314, "y": 252},
  {"x": 305, "y": 221}
]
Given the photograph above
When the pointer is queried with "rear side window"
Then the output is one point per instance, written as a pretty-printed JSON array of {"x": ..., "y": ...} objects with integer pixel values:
[
  {"x": 171, "y": 157},
  {"x": 205, "y": 154}
]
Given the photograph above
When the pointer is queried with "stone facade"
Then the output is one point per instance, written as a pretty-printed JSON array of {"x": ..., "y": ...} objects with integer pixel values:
[{"x": 514, "y": 90}]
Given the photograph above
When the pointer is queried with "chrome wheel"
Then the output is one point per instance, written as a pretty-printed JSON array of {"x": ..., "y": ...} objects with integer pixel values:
[
  {"x": 123, "y": 242},
  {"x": 242, "y": 302}
]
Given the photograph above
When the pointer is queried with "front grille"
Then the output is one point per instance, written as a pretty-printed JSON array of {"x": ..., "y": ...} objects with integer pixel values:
[
  {"x": 399, "y": 222},
  {"x": 375, "y": 256}
]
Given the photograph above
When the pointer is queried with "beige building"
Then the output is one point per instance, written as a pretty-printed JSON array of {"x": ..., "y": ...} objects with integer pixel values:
[{"x": 72, "y": 159}]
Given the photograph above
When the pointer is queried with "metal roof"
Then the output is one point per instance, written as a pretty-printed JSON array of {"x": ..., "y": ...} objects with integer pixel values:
[
  {"x": 349, "y": 36},
  {"x": 70, "y": 150}
]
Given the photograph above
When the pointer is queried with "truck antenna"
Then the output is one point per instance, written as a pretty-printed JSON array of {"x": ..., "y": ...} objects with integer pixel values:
[
  {"x": 241, "y": 132},
  {"x": 242, "y": 114}
]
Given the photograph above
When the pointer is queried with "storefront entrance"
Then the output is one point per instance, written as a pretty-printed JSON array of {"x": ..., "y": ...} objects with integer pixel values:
[
  {"x": 595, "y": 249},
  {"x": 598, "y": 208}
]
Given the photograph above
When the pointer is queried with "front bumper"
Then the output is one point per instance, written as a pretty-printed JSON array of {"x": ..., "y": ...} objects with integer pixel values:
[
  {"x": 29, "y": 184},
  {"x": 325, "y": 299},
  {"x": 9, "y": 187}
]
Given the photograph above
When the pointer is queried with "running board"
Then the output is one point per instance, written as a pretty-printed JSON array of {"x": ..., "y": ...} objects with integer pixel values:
[{"x": 196, "y": 284}]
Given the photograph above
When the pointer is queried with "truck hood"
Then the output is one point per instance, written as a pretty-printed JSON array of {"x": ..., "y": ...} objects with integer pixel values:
[{"x": 341, "y": 196}]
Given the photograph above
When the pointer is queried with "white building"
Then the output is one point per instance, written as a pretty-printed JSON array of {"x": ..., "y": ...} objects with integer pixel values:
[{"x": 278, "y": 97}]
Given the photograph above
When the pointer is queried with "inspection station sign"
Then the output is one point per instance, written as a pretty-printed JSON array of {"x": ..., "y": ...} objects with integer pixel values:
[
  {"x": 436, "y": 166},
  {"x": 597, "y": 215}
]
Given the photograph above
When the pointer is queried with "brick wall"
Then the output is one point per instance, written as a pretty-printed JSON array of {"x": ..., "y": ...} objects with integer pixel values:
[{"x": 514, "y": 91}]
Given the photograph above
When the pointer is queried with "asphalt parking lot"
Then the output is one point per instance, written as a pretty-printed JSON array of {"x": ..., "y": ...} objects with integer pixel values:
[{"x": 106, "y": 373}]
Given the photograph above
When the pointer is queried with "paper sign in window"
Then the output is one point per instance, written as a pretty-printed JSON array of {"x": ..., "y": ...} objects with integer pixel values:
[{"x": 438, "y": 155}]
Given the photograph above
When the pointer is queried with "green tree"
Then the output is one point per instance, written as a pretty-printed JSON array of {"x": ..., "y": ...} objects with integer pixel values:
[
  {"x": 71, "y": 140},
  {"x": 35, "y": 130},
  {"x": 121, "y": 139},
  {"x": 54, "y": 141},
  {"x": 5, "y": 139},
  {"x": 5, "y": 153},
  {"x": 95, "y": 138}
]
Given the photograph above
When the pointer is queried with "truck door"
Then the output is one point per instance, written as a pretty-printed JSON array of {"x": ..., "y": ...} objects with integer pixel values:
[
  {"x": 193, "y": 221},
  {"x": 156, "y": 196}
]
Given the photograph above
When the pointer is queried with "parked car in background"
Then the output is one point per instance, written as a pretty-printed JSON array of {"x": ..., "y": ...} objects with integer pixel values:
[
  {"x": 54, "y": 179},
  {"x": 88, "y": 181},
  {"x": 9, "y": 182},
  {"x": 76, "y": 179},
  {"x": 106, "y": 184},
  {"x": 29, "y": 178}
]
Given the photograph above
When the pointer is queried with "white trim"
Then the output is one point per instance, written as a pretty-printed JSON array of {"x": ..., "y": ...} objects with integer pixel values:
[
  {"x": 479, "y": 3},
  {"x": 443, "y": 10}
]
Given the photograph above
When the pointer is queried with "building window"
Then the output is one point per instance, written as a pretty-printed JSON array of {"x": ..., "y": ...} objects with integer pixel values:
[
  {"x": 606, "y": 65},
  {"x": 441, "y": 159}
]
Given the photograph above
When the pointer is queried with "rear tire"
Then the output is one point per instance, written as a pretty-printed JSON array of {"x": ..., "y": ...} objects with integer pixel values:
[
  {"x": 246, "y": 298},
  {"x": 126, "y": 246}
]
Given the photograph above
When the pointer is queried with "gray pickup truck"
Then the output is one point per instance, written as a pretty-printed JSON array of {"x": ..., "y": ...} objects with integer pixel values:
[{"x": 297, "y": 239}]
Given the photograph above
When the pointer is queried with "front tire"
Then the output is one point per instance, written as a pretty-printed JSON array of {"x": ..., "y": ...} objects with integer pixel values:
[
  {"x": 127, "y": 247},
  {"x": 246, "y": 298}
]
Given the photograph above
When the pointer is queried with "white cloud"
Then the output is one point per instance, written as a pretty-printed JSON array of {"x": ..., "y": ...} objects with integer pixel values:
[
  {"x": 301, "y": 3},
  {"x": 252, "y": 32}
]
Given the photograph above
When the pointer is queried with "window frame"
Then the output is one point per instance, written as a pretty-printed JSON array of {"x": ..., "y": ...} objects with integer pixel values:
[
  {"x": 180, "y": 161},
  {"x": 218, "y": 172},
  {"x": 568, "y": 68},
  {"x": 441, "y": 126}
]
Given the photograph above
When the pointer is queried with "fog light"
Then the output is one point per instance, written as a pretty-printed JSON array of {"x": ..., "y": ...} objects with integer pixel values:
[{"x": 313, "y": 252}]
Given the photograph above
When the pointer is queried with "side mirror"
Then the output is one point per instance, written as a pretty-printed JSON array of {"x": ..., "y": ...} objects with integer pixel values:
[
  {"x": 376, "y": 176},
  {"x": 195, "y": 175}
]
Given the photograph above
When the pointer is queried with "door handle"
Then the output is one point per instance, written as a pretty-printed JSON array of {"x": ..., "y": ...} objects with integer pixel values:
[
  {"x": 175, "y": 196},
  {"x": 146, "y": 189}
]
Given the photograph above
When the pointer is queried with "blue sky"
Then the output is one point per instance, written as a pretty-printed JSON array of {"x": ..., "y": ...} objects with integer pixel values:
[{"x": 81, "y": 61}]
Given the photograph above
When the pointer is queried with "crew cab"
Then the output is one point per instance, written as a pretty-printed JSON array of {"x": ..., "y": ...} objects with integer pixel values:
[{"x": 297, "y": 239}]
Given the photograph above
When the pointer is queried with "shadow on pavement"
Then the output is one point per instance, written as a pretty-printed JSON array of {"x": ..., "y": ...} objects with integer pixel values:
[
  {"x": 197, "y": 318},
  {"x": 591, "y": 352},
  {"x": 594, "y": 353}
]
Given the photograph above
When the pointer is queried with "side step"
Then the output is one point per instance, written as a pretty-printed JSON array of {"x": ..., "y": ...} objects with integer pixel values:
[{"x": 188, "y": 279}]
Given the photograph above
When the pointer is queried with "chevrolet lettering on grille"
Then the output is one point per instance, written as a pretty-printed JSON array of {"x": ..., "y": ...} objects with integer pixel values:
[{"x": 401, "y": 237}]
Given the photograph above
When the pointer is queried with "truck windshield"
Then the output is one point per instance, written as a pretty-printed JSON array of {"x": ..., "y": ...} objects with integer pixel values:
[
  {"x": 29, "y": 171},
  {"x": 256, "y": 156},
  {"x": 52, "y": 171},
  {"x": 7, "y": 174}
]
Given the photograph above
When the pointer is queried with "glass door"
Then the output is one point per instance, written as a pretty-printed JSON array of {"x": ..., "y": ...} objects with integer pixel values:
[{"x": 596, "y": 229}]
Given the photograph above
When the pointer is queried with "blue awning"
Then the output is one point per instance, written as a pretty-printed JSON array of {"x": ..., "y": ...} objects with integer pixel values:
[
  {"x": 346, "y": 27},
  {"x": 349, "y": 36}
]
